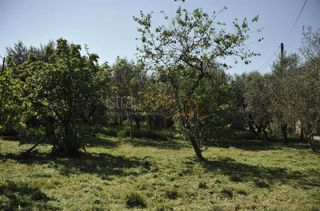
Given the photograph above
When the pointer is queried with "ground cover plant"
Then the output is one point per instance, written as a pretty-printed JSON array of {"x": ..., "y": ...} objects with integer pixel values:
[{"x": 125, "y": 173}]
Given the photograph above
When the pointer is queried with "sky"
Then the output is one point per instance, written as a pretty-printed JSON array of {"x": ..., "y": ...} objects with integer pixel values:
[{"x": 107, "y": 26}]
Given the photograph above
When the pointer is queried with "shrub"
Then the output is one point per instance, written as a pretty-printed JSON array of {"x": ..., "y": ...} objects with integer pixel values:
[
  {"x": 202, "y": 185},
  {"x": 262, "y": 184},
  {"x": 109, "y": 131},
  {"x": 171, "y": 194},
  {"x": 236, "y": 178},
  {"x": 227, "y": 192},
  {"x": 134, "y": 200}
]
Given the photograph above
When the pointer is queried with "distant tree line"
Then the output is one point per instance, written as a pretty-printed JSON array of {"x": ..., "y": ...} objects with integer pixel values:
[{"x": 178, "y": 82}]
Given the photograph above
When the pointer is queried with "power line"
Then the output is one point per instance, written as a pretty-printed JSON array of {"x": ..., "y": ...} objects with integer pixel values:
[
  {"x": 268, "y": 59},
  {"x": 289, "y": 34},
  {"x": 296, "y": 21}
]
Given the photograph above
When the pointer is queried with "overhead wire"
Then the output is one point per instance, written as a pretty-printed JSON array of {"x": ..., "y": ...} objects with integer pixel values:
[
  {"x": 287, "y": 37},
  {"x": 296, "y": 21}
]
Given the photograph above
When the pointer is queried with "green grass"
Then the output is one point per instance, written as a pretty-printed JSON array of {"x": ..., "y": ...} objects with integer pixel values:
[{"x": 119, "y": 174}]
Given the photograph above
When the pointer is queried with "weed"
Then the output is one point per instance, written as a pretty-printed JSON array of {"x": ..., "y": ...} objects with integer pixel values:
[
  {"x": 262, "y": 184},
  {"x": 134, "y": 200},
  {"x": 171, "y": 194},
  {"x": 202, "y": 185}
]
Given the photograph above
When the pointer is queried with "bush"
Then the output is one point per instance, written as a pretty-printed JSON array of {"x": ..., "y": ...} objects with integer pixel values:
[
  {"x": 202, "y": 185},
  {"x": 227, "y": 192},
  {"x": 109, "y": 131},
  {"x": 262, "y": 184},
  {"x": 235, "y": 178},
  {"x": 134, "y": 200},
  {"x": 172, "y": 194}
]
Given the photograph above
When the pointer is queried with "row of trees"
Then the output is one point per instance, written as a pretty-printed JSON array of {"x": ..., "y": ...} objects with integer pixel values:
[
  {"x": 178, "y": 82},
  {"x": 287, "y": 99}
]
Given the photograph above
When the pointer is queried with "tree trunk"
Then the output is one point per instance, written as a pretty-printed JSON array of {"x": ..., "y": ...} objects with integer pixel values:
[
  {"x": 130, "y": 122},
  {"x": 250, "y": 122},
  {"x": 150, "y": 123},
  {"x": 34, "y": 146},
  {"x": 196, "y": 148},
  {"x": 265, "y": 134},
  {"x": 258, "y": 129},
  {"x": 284, "y": 129},
  {"x": 69, "y": 145},
  {"x": 252, "y": 129},
  {"x": 301, "y": 133},
  {"x": 310, "y": 142},
  {"x": 137, "y": 123}
]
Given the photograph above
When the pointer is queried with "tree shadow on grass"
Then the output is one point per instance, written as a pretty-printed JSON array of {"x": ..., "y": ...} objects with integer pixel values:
[
  {"x": 245, "y": 140},
  {"x": 248, "y": 145},
  {"x": 102, "y": 164},
  {"x": 21, "y": 196},
  {"x": 160, "y": 144},
  {"x": 262, "y": 176},
  {"x": 101, "y": 142},
  {"x": 91, "y": 142},
  {"x": 260, "y": 144}
]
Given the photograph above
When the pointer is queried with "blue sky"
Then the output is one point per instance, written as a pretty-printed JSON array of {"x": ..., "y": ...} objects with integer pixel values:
[{"x": 107, "y": 26}]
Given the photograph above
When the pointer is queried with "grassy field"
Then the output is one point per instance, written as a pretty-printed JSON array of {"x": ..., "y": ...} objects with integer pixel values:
[{"x": 118, "y": 174}]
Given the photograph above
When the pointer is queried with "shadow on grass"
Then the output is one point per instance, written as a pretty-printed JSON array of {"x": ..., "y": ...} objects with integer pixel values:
[
  {"x": 261, "y": 176},
  {"x": 21, "y": 196},
  {"x": 101, "y": 142},
  {"x": 102, "y": 165},
  {"x": 160, "y": 144},
  {"x": 249, "y": 145},
  {"x": 245, "y": 140},
  {"x": 260, "y": 144}
]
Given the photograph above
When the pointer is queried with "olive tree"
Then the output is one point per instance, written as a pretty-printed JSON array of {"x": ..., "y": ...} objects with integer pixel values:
[
  {"x": 127, "y": 81},
  {"x": 252, "y": 97},
  {"x": 307, "y": 92},
  {"x": 283, "y": 92}
]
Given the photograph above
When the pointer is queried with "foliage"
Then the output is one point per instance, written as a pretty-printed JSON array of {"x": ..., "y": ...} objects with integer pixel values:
[
  {"x": 295, "y": 89},
  {"x": 252, "y": 99},
  {"x": 184, "y": 54},
  {"x": 64, "y": 90},
  {"x": 71, "y": 89},
  {"x": 13, "y": 104},
  {"x": 127, "y": 81},
  {"x": 307, "y": 94}
]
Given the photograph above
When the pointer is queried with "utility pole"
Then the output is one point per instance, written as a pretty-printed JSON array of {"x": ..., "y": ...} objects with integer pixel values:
[
  {"x": 284, "y": 125},
  {"x": 3, "y": 61},
  {"x": 281, "y": 51}
]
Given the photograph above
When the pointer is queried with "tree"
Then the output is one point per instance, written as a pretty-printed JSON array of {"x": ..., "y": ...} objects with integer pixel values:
[
  {"x": 128, "y": 80},
  {"x": 65, "y": 89},
  {"x": 307, "y": 92},
  {"x": 252, "y": 97},
  {"x": 188, "y": 49},
  {"x": 13, "y": 104},
  {"x": 283, "y": 93}
]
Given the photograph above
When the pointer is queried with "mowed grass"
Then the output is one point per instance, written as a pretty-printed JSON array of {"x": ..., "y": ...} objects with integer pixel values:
[{"x": 119, "y": 174}]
